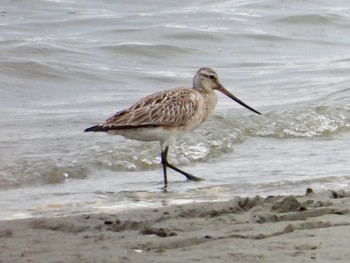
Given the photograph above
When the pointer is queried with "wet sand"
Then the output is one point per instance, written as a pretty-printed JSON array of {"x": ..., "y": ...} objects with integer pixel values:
[{"x": 314, "y": 227}]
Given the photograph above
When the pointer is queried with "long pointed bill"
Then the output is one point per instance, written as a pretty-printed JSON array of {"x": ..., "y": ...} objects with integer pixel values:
[{"x": 230, "y": 95}]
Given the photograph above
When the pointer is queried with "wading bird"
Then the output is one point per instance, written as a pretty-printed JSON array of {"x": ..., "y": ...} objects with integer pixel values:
[{"x": 167, "y": 115}]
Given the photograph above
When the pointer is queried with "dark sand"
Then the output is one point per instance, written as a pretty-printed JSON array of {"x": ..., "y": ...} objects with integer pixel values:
[{"x": 310, "y": 228}]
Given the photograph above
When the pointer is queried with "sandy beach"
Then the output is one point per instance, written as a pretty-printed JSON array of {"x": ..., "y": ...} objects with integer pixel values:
[{"x": 309, "y": 228}]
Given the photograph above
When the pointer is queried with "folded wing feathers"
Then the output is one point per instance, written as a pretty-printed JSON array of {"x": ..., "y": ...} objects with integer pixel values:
[{"x": 166, "y": 108}]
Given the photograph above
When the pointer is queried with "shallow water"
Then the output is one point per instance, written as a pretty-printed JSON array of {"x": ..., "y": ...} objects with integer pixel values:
[{"x": 67, "y": 65}]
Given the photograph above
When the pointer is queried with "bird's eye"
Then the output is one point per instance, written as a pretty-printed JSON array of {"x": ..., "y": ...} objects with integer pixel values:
[{"x": 212, "y": 77}]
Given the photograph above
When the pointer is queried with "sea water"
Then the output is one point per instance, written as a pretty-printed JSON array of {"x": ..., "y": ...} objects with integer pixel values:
[{"x": 67, "y": 65}]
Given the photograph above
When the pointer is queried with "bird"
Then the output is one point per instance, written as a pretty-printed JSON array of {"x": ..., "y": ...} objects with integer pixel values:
[{"x": 167, "y": 115}]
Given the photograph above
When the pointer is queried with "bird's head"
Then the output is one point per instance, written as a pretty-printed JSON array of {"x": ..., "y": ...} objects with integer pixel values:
[{"x": 207, "y": 80}]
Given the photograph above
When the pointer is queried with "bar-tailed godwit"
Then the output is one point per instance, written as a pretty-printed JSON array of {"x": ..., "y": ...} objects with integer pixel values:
[{"x": 166, "y": 115}]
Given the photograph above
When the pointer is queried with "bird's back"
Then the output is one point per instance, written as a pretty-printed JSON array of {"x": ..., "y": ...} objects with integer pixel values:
[{"x": 171, "y": 108}]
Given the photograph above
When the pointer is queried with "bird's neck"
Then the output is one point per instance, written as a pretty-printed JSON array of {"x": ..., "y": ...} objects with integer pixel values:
[{"x": 210, "y": 100}]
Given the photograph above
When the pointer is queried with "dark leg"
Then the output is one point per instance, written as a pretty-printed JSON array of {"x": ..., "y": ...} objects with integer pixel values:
[
  {"x": 164, "y": 156},
  {"x": 166, "y": 164}
]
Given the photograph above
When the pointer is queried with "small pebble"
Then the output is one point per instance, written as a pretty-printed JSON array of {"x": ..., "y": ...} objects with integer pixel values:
[{"x": 309, "y": 191}]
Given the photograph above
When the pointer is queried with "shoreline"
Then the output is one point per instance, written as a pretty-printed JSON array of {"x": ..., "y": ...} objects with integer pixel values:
[{"x": 286, "y": 228}]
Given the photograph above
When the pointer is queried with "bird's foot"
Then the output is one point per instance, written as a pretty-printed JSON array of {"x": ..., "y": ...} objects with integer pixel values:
[{"x": 191, "y": 177}]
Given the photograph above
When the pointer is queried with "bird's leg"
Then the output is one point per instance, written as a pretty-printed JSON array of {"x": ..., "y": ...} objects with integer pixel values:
[
  {"x": 167, "y": 164},
  {"x": 164, "y": 156},
  {"x": 188, "y": 176}
]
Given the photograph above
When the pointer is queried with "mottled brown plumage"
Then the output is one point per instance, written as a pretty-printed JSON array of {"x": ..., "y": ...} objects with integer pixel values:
[
  {"x": 166, "y": 115},
  {"x": 166, "y": 108}
]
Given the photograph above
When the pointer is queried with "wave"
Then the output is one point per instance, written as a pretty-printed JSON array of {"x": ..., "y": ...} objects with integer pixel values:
[
  {"x": 313, "y": 19},
  {"x": 322, "y": 121},
  {"x": 31, "y": 69},
  {"x": 149, "y": 50},
  {"x": 78, "y": 155},
  {"x": 325, "y": 117}
]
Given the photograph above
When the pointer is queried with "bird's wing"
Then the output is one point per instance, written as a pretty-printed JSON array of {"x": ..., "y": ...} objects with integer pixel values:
[{"x": 166, "y": 108}]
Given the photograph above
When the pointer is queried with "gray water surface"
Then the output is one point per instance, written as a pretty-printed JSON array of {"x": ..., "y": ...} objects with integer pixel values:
[{"x": 67, "y": 65}]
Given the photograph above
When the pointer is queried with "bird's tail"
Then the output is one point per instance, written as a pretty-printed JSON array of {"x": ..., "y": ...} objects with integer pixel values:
[{"x": 95, "y": 128}]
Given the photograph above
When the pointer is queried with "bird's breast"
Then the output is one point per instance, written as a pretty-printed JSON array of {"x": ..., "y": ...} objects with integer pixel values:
[
  {"x": 161, "y": 134},
  {"x": 205, "y": 106}
]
